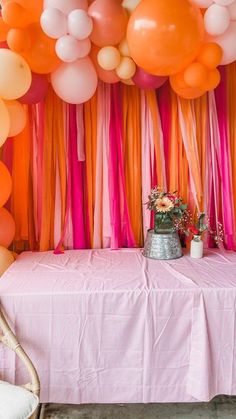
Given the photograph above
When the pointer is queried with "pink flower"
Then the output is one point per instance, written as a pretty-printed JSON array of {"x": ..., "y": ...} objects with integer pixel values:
[{"x": 194, "y": 230}]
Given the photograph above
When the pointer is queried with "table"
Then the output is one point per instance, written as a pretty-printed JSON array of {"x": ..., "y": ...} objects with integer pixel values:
[{"x": 106, "y": 326}]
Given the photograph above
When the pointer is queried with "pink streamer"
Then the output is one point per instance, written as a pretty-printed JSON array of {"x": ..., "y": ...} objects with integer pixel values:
[{"x": 163, "y": 96}]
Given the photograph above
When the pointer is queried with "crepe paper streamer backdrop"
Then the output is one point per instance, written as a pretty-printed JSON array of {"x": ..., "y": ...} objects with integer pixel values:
[{"x": 82, "y": 174}]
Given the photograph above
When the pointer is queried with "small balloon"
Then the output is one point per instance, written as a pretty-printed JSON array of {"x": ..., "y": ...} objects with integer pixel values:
[
  {"x": 67, "y": 48},
  {"x": 213, "y": 79},
  {"x": 124, "y": 48},
  {"x": 228, "y": 44},
  {"x": 109, "y": 58},
  {"x": 126, "y": 69},
  {"x": 18, "y": 40},
  {"x": 84, "y": 48},
  {"x": 145, "y": 80},
  {"x": 80, "y": 24},
  {"x": 6, "y": 184},
  {"x": 17, "y": 116},
  {"x": 75, "y": 82},
  {"x": 180, "y": 87},
  {"x": 7, "y": 227},
  {"x": 6, "y": 259},
  {"x": 37, "y": 91},
  {"x": 195, "y": 75},
  {"x": 224, "y": 2},
  {"x": 66, "y": 6},
  {"x": 53, "y": 23},
  {"x": 104, "y": 75},
  {"x": 216, "y": 19}
]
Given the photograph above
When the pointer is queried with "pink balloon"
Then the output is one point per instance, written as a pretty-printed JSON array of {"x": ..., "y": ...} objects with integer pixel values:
[
  {"x": 75, "y": 82},
  {"x": 66, "y": 6},
  {"x": 67, "y": 48},
  {"x": 84, "y": 47},
  {"x": 37, "y": 91},
  {"x": 145, "y": 80},
  {"x": 80, "y": 24},
  {"x": 54, "y": 23}
]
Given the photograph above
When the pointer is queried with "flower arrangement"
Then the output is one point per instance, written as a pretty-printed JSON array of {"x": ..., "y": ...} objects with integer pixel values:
[
  {"x": 168, "y": 208},
  {"x": 198, "y": 228}
]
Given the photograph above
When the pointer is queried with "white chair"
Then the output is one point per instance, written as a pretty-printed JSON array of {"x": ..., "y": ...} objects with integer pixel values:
[{"x": 18, "y": 402}]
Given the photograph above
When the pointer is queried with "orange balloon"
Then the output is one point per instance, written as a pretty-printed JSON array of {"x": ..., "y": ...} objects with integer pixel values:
[
  {"x": 4, "y": 28},
  {"x": 41, "y": 57},
  {"x": 195, "y": 75},
  {"x": 15, "y": 15},
  {"x": 104, "y": 75},
  {"x": 109, "y": 22},
  {"x": 5, "y": 184},
  {"x": 213, "y": 79},
  {"x": 18, "y": 40},
  {"x": 210, "y": 55},
  {"x": 165, "y": 36},
  {"x": 180, "y": 87},
  {"x": 33, "y": 9},
  {"x": 7, "y": 227}
]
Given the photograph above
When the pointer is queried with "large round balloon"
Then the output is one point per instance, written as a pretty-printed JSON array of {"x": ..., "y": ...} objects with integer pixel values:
[
  {"x": 41, "y": 57},
  {"x": 6, "y": 259},
  {"x": 5, "y": 123},
  {"x": 109, "y": 22},
  {"x": 164, "y": 36},
  {"x": 7, "y": 227},
  {"x": 15, "y": 75},
  {"x": 17, "y": 117},
  {"x": 75, "y": 82},
  {"x": 37, "y": 91},
  {"x": 6, "y": 184}
]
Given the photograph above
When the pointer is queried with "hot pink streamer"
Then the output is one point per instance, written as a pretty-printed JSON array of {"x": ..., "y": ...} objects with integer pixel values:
[
  {"x": 121, "y": 231},
  {"x": 225, "y": 162},
  {"x": 7, "y": 157},
  {"x": 163, "y": 97}
]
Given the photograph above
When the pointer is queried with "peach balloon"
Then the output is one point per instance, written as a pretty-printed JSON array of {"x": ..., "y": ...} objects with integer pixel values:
[
  {"x": 7, "y": 227},
  {"x": 6, "y": 184},
  {"x": 210, "y": 55},
  {"x": 109, "y": 58},
  {"x": 15, "y": 75},
  {"x": 5, "y": 123},
  {"x": 109, "y": 22},
  {"x": 6, "y": 259},
  {"x": 195, "y": 75},
  {"x": 126, "y": 69},
  {"x": 104, "y": 75},
  {"x": 124, "y": 48},
  {"x": 182, "y": 89},
  {"x": 17, "y": 117},
  {"x": 165, "y": 36}
]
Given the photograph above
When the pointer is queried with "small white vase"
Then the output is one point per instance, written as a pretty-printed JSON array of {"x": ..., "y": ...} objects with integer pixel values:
[{"x": 196, "y": 248}]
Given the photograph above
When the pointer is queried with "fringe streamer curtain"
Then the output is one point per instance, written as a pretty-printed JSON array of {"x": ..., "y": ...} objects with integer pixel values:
[{"x": 82, "y": 174}]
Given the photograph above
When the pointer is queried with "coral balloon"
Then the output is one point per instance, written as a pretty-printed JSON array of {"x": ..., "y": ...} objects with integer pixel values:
[
  {"x": 6, "y": 259},
  {"x": 67, "y": 48},
  {"x": 15, "y": 15},
  {"x": 109, "y": 22},
  {"x": 182, "y": 89},
  {"x": 53, "y": 23},
  {"x": 15, "y": 75},
  {"x": 7, "y": 228},
  {"x": 75, "y": 82},
  {"x": 210, "y": 55},
  {"x": 4, "y": 28},
  {"x": 105, "y": 76},
  {"x": 126, "y": 69},
  {"x": 213, "y": 80},
  {"x": 164, "y": 36},
  {"x": 80, "y": 24},
  {"x": 109, "y": 58},
  {"x": 41, "y": 57},
  {"x": 66, "y": 6},
  {"x": 18, "y": 40},
  {"x": 147, "y": 81},
  {"x": 195, "y": 75},
  {"x": 228, "y": 44},
  {"x": 232, "y": 10},
  {"x": 6, "y": 184},
  {"x": 5, "y": 124},
  {"x": 17, "y": 116},
  {"x": 37, "y": 91},
  {"x": 216, "y": 19}
]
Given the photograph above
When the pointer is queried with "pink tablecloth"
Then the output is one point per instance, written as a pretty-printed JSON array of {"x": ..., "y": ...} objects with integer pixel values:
[{"x": 111, "y": 326}]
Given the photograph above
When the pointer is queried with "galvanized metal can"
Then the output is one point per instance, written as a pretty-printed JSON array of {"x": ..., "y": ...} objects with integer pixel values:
[{"x": 162, "y": 246}]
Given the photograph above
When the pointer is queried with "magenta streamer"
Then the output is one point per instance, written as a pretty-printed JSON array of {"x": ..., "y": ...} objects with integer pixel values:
[
  {"x": 77, "y": 173},
  {"x": 164, "y": 105},
  {"x": 121, "y": 231},
  {"x": 225, "y": 161}
]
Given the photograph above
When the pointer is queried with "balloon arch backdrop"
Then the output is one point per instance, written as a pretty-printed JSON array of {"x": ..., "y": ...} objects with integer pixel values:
[{"x": 70, "y": 45}]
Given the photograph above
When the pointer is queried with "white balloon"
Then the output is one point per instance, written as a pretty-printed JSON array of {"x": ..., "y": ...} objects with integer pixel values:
[
  {"x": 67, "y": 48},
  {"x": 224, "y": 2},
  {"x": 232, "y": 10},
  {"x": 228, "y": 44},
  {"x": 75, "y": 82},
  {"x": 203, "y": 4},
  {"x": 84, "y": 47},
  {"x": 130, "y": 5},
  {"x": 53, "y": 23},
  {"x": 66, "y": 6},
  {"x": 216, "y": 20},
  {"x": 80, "y": 24}
]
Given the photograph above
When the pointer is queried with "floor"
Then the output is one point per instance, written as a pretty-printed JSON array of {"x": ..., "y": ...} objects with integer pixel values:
[{"x": 221, "y": 407}]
